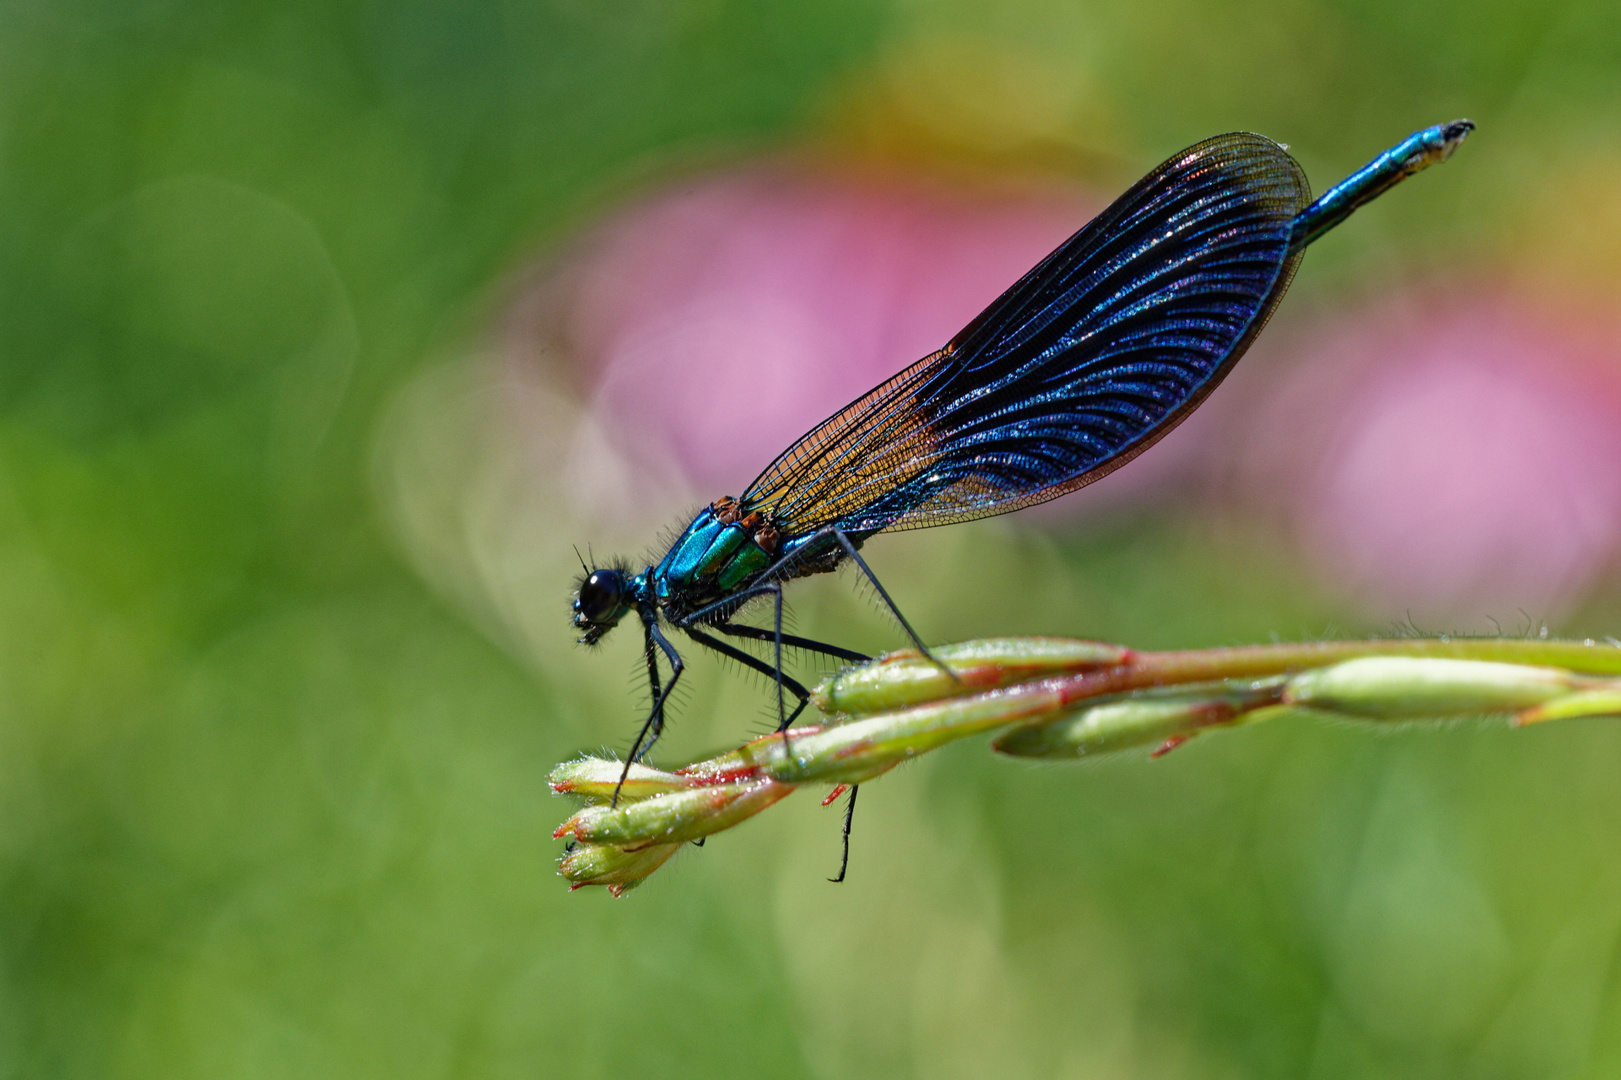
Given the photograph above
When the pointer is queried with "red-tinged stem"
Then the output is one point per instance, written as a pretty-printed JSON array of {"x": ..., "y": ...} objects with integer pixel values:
[{"x": 1152, "y": 669}]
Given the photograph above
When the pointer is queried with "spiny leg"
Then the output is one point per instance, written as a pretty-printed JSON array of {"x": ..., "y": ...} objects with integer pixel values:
[
  {"x": 767, "y": 582},
  {"x": 676, "y": 668},
  {"x": 655, "y": 717},
  {"x": 654, "y": 723},
  {"x": 731, "y": 604},
  {"x": 849, "y": 815},
  {"x": 755, "y": 633},
  {"x": 776, "y": 638},
  {"x": 755, "y": 664},
  {"x": 855, "y": 556},
  {"x": 783, "y": 720}
]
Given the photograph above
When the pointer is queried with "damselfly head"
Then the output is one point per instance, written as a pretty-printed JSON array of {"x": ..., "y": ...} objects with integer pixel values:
[{"x": 601, "y": 599}]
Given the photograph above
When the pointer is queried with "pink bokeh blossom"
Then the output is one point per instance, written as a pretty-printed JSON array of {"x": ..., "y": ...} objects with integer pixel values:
[
  {"x": 1458, "y": 459},
  {"x": 719, "y": 322}
]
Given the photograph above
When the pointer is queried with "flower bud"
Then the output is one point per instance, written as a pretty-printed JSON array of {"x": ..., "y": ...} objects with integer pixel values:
[
  {"x": 857, "y": 751},
  {"x": 1135, "y": 721},
  {"x": 673, "y": 818},
  {"x": 906, "y": 677},
  {"x": 1604, "y": 700},
  {"x": 600, "y": 864},
  {"x": 596, "y": 779},
  {"x": 1407, "y": 688}
]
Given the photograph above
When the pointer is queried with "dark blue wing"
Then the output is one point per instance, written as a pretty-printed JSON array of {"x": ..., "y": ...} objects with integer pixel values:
[{"x": 1083, "y": 364}]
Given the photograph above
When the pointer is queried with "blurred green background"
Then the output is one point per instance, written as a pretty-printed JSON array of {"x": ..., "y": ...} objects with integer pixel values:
[{"x": 273, "y": 786}]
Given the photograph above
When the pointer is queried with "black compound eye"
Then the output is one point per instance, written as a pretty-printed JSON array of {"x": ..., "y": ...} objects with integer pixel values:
[{"x": 601, "y": 596}]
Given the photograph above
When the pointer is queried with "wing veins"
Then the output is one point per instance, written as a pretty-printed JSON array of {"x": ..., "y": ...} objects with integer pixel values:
[{"x": 1090, "y": 357}]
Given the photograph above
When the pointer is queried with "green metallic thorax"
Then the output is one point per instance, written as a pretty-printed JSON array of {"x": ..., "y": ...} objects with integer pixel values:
[{"x": 709, "y": 560}]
